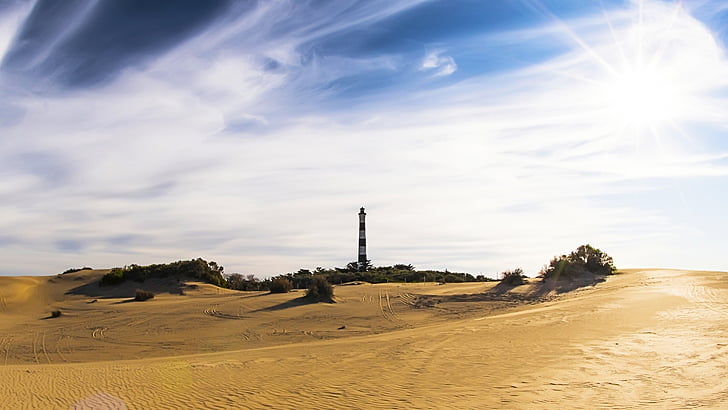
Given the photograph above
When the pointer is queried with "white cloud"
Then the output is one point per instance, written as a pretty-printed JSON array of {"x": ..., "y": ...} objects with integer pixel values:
[
  {"x": 485, "y": 175},
  {"x": 442, "y": 65}
]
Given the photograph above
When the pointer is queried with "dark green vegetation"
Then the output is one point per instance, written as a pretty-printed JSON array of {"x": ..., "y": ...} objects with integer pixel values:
[
  {"x": 200, "y": 269},
  {"x": 142, "y": 295},
  {"x": 246, "y": 283},
  {"x": 381, "y": 274},
  {"x": 584, "y": 260},
  {"x": 211, "y": 272},
  {"x": 320, "y": 290},
  {"x": 72, "y": 270},
  {"x": 513, "y": 277},
  {"x": 396, "y": 273},
  {"x": 56, "y": 313},
  {"x": 280, "y": 285}
]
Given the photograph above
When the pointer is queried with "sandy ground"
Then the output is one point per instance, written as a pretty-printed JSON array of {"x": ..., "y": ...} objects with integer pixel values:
[{"x": 647, "y": 339}]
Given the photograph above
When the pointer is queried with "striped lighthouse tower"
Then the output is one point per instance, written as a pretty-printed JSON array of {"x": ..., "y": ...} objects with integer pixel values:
[{"x": 362, "y": 261}]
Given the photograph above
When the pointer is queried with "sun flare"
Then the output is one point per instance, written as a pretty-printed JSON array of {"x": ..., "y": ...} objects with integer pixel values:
[{"x": 642, "y": 97}]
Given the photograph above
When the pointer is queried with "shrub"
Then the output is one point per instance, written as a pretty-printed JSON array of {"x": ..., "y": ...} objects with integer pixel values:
[
  {"x": 56, "y": 313},
  {"x": 142, "y": 295},
  {"x": 585, "y": 259},
  {"x": 320, "y": 289},
  {"x": 114, "y": 277},
  {"x": 450, "y": 278},
  {"x": 513, "y": 277},
  {"x": 280, "y": 285}
]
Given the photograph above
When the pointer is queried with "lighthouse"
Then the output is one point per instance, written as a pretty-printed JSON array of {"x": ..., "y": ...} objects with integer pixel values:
[{"x": 362, "y": 261}]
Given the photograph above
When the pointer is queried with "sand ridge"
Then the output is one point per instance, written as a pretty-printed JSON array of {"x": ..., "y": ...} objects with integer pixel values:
[{"x": 653, "y": 338}]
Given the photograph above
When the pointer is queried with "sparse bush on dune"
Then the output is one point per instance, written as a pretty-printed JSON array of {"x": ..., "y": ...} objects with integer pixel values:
[
  {"x": 142, "y": 295},
  {"x": 72, "y": 270},
  {"x": 584, "y": 260},
  {"x": 513, "y": 277},
  {"x": 280, "y": 285},
  {"x": 56, "y": 313},
  {"x": 114, "y": 277},
  {"x": 320, "y": 289}
]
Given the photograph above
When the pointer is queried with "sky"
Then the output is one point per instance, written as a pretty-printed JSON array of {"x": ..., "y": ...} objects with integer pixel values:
[{"x": 480, "y": 136}]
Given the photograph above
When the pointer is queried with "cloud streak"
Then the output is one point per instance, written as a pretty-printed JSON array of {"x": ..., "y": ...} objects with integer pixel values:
[{"x": 251, "y": 140}]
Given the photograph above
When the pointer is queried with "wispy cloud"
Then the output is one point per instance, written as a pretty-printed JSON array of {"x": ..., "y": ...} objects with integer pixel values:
[
  {"x": 439, "y": 63},
  {"x": 249, "y": 142}
]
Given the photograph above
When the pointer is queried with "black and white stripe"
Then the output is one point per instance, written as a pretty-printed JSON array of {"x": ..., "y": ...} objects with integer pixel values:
[{"x": 362, "y": 261}]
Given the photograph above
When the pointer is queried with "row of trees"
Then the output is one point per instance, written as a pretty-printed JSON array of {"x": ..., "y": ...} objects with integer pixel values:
[
  {"x": 303, "y": 278},
  {"x": 585, "y": 259},
  {"x": 213, "y": 273}
]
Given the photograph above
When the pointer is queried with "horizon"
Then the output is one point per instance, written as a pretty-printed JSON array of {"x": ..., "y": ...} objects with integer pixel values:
[{"x": 479, "y": 137}]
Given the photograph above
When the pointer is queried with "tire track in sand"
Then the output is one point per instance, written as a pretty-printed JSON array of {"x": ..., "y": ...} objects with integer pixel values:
[
  {"x": 35, "y": 348},
  {"x": 212, "y": 311},
  {"x": 408, "y": 299},
  {"x": 5, "y": 344},
  {"x": 58, "y": 349},
  {"x": 708, "y": 299},
  {"x": 43, "y": 346},
  {"x": 98, "y": 332},
  {"x": 385, "y": 307}
]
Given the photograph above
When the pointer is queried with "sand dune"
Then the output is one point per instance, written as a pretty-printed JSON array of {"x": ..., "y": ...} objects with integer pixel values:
[{"x": 653, "y": 338}]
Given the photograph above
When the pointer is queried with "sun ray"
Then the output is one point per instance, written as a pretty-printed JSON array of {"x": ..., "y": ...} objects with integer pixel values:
[
  {"x": 536, "y": 4},
  {"x": 659, "y": 53},
  {"x": 612, "y": 32}
]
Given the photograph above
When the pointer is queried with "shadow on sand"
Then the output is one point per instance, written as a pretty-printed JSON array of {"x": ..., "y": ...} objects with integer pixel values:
[
  {"x": 300, "y": 301},
  {"x": 121, "y": 302},
  {"x": 128, "y": 288},
  {"x": 538, "y": 291}
]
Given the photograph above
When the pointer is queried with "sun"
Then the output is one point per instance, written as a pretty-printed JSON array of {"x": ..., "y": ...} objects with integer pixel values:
[
  {"x": 653, "y": 69},
  {"x": 642, "y": 96}
]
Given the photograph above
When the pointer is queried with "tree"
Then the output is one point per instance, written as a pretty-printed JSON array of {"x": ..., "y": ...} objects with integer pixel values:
[
  {"x": 235, "y": 281},
  {"x": 215, "y": 267}
]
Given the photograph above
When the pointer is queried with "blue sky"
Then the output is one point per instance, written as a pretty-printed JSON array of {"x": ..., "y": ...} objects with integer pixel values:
[{"x": 479, "y": 135}]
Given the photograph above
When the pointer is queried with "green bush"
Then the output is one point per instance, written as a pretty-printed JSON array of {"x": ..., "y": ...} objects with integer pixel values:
[
  {"x": 114, "y": 277},
  {"x": 585, "y": 259},
  {"x": 199, "y": 268},
  {"x": 320, "y": 289},
  {"x": 142, "y": 295},
  {"x": 513, "y": 277},
  {"x": 451, "y": 278},
  {"x": 56, "y": 313},
  {"x": 280, "y": 285}
]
